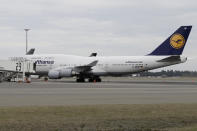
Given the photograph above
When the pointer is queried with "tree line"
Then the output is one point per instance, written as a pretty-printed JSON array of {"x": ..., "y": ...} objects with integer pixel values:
[{"x": 170, "y": 73}]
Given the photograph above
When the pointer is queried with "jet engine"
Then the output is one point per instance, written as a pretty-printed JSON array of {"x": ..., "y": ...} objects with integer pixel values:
[
  {"x": 59, "y": 73},
  {"x": 66, "y": 73},
  {"x": 53, "y": 74}
]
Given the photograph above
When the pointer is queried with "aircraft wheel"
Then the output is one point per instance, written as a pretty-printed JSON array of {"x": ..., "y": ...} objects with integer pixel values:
[
  {"x": 80, "y": 80},
  {"x": 1, "y": 78},
  {"x": 91, "y": 80},
  {"x": 98, "y": 80},
  {"x": 46, "y": 79},
  {"x": 83, "y": 80}
]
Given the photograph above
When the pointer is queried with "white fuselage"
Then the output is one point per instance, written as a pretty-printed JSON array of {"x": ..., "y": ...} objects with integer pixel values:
[{"x": 110, "y": 65}]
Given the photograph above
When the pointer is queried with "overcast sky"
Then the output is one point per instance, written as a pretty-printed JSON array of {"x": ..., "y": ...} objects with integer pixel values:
[{"x": 108, "y": 27}]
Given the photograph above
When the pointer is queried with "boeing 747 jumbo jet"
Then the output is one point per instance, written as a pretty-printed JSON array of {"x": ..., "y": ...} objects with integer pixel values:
[{"x": 58, "y": 66}]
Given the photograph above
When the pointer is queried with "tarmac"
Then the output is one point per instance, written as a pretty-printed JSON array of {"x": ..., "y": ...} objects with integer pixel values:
[{"x": 111, "y": 91}]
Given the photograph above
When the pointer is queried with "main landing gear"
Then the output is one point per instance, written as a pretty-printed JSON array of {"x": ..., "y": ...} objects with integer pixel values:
[
  {"x": 95, "y": 79},
  {"x": 80, "y": 80},
  {"x": 92, "y": 79}
]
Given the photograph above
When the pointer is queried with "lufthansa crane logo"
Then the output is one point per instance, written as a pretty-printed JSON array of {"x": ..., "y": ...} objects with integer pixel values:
[{"x": 177, "y": 41}]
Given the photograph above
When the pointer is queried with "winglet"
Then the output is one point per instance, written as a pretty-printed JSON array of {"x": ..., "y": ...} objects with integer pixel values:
[
  {"x": 93, "y": 55},
  {"x": 31, "y": 51}
]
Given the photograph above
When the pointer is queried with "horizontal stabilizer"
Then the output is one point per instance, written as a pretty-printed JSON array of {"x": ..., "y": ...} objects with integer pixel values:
[{"x": 170, "y": 59}]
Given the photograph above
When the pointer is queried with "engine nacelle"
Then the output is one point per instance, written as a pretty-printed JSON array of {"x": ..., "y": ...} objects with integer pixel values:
[
  {"x": 53, "y": 74},
  {"x": 66, "y": 73},
  {"x": 59, "y": 73}
]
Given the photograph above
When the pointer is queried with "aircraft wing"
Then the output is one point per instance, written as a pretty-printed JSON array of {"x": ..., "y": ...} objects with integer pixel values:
[
  {"x": 85, "y": 68},
  {"x": 170, "y": 59},
  {"x": 9, "y": 71}
]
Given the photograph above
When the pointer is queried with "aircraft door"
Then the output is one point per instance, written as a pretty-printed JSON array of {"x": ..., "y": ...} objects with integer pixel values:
[
  {"x": 145, "y": 66},
  {"x": 34, "y": 66}
]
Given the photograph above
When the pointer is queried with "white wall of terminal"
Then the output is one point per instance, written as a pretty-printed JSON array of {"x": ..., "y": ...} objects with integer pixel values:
[{"x": 18, "y": 65}]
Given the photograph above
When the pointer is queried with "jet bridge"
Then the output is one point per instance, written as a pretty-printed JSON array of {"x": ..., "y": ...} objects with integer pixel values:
[{"x": 15, "y": 68}]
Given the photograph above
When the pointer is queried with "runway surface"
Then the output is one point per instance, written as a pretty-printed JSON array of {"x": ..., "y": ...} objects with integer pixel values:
[{"x": 121, "y": 92}]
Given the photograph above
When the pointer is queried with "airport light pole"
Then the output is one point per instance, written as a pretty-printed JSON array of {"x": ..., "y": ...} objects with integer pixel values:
[
  {"x": 24, "y": 61},
  {"x": 26, "y": 30}
]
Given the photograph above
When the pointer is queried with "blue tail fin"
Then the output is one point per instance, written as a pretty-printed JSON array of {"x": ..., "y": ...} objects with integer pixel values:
[{"x": 174, "y": 44}]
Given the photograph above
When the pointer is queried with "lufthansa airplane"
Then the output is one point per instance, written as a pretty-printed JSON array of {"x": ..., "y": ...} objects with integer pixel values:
[{"x": 56, "y": 66}]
